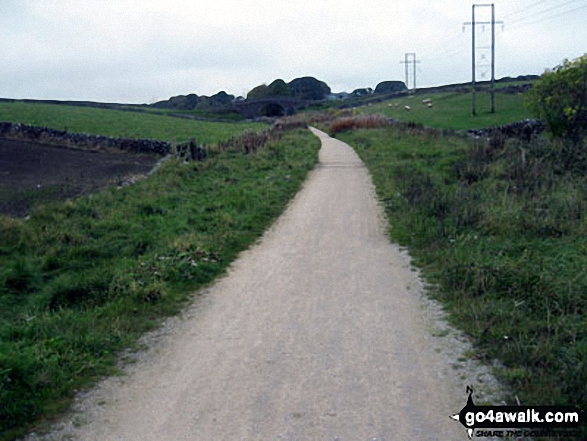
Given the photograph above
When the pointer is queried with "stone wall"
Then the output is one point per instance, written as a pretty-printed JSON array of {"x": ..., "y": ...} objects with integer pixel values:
[
  {"x": 45, "y": 135},
  {"x": 522, "y": 129}
]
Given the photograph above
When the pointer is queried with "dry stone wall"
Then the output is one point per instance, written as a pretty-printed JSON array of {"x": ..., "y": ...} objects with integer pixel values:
[
  {"x": 45, "y": 135},
  {"x": 524, "y": 130}
]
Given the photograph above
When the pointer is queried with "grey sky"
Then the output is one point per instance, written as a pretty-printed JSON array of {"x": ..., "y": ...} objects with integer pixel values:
[{"x": 145, "y": 50}]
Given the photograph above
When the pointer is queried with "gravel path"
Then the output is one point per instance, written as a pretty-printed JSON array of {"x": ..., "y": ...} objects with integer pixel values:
[{"x": 319, "y": 332}]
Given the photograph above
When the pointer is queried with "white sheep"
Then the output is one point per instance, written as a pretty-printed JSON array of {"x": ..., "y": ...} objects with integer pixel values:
[{"x": 408, "y": 108}]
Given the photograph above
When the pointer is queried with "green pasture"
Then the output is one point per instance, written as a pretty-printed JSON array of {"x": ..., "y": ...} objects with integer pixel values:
[
  {"x": 453, "y": 110},
  {"x": 121, "y": 124}
]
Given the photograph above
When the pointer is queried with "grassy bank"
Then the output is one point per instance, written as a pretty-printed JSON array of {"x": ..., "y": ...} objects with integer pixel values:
[
  {"x": 121, "y": 124},
  {"x": 500, "y": 229},
  {"x": 79, "y": 281},
  {"x": 453, "y": 110}
]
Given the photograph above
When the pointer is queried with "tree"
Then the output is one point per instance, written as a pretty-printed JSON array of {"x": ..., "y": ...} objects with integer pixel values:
[
  {"x": 390, "y": 87},
  {"x": 306, "y": 88},
  {"x": 309, "y": 88},
  {"x": 559, "y": 98},
  {"x": 279, "y": 88},
  {"x": 258, "y": 92}
]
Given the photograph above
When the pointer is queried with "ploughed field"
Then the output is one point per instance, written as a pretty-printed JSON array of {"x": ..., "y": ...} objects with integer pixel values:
[{"x": 34, "y": 173}]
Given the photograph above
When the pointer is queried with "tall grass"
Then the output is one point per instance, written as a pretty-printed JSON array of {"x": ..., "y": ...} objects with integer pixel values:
[
  {"x": 348, "y": 123},
  {"x": 83, "y": 279},
  {"x": 500, "y": 228}
]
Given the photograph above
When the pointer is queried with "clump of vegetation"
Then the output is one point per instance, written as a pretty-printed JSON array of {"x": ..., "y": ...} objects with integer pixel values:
[
  {"x": 346, "y": 123},
  {"x": 499, "y": 227},
  {"x": 250, "y": 142},
  {"x": 275, "y": 89},
  {"x": 306, "y": 88},
  {"x": 322, "y": 120},
  {"x": 559, "y": 97},
  {"x": 81, "y": 280}
]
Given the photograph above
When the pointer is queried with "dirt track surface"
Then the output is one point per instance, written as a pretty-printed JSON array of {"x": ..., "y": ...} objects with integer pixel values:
[{"x": 319, "y": 332}]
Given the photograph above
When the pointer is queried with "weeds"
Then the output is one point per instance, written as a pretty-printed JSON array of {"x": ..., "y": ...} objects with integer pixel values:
[
  {"x": 344, "y": 124},
  {"x": 250, "y": 142}
]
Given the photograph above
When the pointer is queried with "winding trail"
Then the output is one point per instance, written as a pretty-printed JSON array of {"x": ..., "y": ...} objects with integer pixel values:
[{"x": 317, "y": 333}]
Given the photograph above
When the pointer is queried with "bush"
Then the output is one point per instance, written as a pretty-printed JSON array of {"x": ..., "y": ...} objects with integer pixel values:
[{"x": 559, "y": 97}]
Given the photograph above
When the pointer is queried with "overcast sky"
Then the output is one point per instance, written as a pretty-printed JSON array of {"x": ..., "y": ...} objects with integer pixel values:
[{"x": 140, "y": 51}]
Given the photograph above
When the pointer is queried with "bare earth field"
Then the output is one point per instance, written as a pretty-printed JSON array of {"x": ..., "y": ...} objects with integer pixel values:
[
  {"x": 33, "y": 173},
  {"x": 320, "y": 332}
]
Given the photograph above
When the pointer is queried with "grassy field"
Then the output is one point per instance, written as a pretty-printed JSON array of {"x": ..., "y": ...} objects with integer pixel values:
[
  {"x": 501, "y": 232},
  {"x": 121, "y": 124},
  {"x": 453, "y": 110},
  {"x": 229, "y": 116},
  {"x": 81, "y": 280}
]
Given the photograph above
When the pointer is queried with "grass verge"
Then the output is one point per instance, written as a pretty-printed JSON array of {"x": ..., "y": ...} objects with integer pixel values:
[
  {"x": 121, "y": 124},
  {"x": 81, "y": 280},
  {"x": 500, "y": 229}
]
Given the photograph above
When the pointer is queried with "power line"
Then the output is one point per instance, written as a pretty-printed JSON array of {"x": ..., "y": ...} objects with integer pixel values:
[
  {"x": 446, "y": 48},
  {"x": 552, "y": 17},
  {"x": 535, "y": 12},
  {"x": 519, "y": 11},
  {"x": 450, "y": 52},
  {"x": 538, "y": 14},
  {"x": 444, "y": 45}
]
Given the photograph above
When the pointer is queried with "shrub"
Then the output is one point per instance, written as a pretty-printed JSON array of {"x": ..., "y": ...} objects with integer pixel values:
[{"x": 559, "y": 97}]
